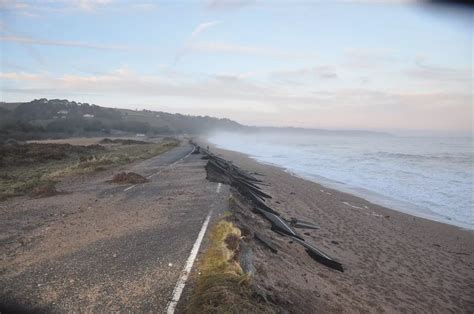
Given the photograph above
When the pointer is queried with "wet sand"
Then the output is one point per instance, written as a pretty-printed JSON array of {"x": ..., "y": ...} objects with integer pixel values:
[{"x": 393, "y": 262}]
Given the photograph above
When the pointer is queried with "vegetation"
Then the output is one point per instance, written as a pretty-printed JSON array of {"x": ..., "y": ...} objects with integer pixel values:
[
  {"x": 58, "y": 118},
  {"x": 222, "y": 286},
  {"x": 29, "y": 168}
]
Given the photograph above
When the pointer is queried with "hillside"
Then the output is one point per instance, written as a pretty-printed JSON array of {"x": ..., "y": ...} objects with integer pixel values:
[
  {"x": 60, "y": 118},
  {"x": 43, "y": 118}
]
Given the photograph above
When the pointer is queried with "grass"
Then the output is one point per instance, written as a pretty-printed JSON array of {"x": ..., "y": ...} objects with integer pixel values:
[
  {"x": 21, "y": 178},
  {"x": 116, "y": 156},
  {"x": 222, "y": 286}
]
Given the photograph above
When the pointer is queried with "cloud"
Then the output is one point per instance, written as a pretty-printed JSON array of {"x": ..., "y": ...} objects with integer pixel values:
[
  {"x": 422, "y": 69},
  {"x": 90, "y": 4},
  {"x": 238, "y": 4},
  {"x": 37, "y": 8},
  {"x": 370, "y": 58},
  {"x": 13, "y": 5},
  {"x": 229, "y": 4},
  {"x": 223, "y": 47},
  {"x": 21, "y": 76},
  {"x": 231, "y": 48},
  {"x": 380, "y": 1},
  {"x": 243, "y": 98},
  {"x": 202, "y": 27},
  {"x": 42, "y": 42},
  {"x": 305, "y": 75}
]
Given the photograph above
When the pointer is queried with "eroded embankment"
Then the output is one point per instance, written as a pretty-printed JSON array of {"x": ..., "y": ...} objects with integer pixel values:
[
  {"x": 254, "y": 219},
  {"x": 223, "y": 285}
]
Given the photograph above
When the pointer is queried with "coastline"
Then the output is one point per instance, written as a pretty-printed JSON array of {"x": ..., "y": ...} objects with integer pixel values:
[
  {"x": 394, "y": 261},
  {"x": 373, "y": 197}
]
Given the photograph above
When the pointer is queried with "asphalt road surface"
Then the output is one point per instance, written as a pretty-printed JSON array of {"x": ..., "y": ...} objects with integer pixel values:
[{"x": 105, "y": 247}]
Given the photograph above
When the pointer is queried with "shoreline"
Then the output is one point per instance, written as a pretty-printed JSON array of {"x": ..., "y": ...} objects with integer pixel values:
[
  {"x": 373, "y": 197},
  {"x": 337, "y": 188},
  {"x": 368, "y": 195},
  {"x": 393, "y": 261}
]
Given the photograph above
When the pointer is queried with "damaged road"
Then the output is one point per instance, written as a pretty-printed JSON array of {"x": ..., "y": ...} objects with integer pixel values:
[{"x": 100, "y": 248}]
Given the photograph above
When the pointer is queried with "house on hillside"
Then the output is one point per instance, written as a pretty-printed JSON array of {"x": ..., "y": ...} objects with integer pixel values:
[
  {"x": 87, "y": 115},
  {"x": 63, "y": 112}
]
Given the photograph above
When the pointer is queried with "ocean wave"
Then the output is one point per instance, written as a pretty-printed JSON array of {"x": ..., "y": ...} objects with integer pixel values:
[
  {"x": 420, "y": 174},
  {"x": 438, "y": 157}
]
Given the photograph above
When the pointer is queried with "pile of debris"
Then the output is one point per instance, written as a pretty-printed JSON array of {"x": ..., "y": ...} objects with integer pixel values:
[
  {"x": 128, "y": 177},
  {"x": 250, "y": 187},
  {"x": 45, "y": 190}
]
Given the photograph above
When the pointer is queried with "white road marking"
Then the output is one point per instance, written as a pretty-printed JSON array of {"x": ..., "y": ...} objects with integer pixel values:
[
  {"x": 194, "y": 148},
  {"x": 154, "y": 174},
  {"x": 218, "y": 189},
  {"x": 130, "y": 187},
  {"x": 178, "y": 289},
  {"x": 151, "y": 175}
]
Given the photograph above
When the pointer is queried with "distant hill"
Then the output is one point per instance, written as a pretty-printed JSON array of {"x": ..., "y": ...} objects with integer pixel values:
[
  {"x": 57, "y": 118},
  {"x": 42, "y": 118}
]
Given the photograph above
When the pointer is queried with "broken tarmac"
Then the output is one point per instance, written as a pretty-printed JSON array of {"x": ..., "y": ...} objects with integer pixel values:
[{"x": 105, "y": 247}]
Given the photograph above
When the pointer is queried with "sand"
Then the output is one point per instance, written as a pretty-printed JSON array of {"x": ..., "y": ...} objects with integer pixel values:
[{"x": 393, "y": 262}]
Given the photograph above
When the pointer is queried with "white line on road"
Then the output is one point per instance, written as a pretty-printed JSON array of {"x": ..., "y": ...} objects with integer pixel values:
[
  {"x": 194, "y": 148},
  {"x": 178, "y": 289},
  {"x": 154, "y": 174},
  {"x": 218, "y": 189},
  {"x": 130, "y": 187}
]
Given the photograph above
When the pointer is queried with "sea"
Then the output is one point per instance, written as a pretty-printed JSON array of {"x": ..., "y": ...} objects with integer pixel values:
[{"x": 429, "y": 177}]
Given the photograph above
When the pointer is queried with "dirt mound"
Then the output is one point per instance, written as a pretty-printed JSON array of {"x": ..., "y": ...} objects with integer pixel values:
[
  {"x": 128, "y": 177},
  {"x": 45, "y": 190},
  {"x": 121, "y": 141}
]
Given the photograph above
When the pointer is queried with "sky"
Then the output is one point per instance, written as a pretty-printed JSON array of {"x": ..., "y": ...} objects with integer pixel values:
[{"x": 352, "y": 64}]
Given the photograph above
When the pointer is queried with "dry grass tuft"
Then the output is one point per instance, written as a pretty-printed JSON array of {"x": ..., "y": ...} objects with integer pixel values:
[{"x": 223, "y": 287}]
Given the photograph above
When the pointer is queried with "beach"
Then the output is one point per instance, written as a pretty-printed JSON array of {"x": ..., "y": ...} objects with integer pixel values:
[{"x": 393, "y": 262}]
